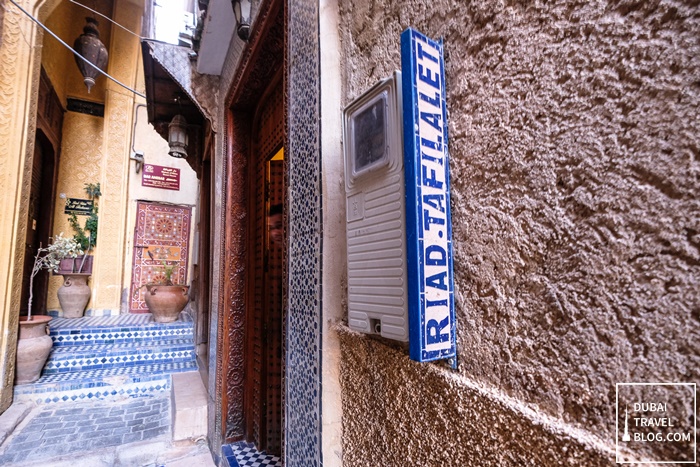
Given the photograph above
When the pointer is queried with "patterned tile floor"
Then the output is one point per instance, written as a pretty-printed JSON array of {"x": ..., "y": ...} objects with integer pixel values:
[
  {"x": 244, "y": 454},
  {"x": 117, "y": 330}
]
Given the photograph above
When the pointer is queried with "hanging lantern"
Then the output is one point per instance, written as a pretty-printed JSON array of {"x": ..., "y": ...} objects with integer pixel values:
[
  {"x": 241, "y": 10},
  {"x": 91, "y": 47},
  {"x": 177, "y": 137}
]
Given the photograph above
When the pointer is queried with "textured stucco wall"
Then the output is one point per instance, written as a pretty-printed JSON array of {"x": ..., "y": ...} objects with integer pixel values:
[
  {"x": 574, "y": 137},
  {"x": 397, "y": 412}
]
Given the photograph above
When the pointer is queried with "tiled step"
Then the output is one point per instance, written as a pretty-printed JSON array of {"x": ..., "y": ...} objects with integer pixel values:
[
  {"x": 102, "y": 384},
  {"x": 132, "y": 329},
  {"x": 99, "y": 356},
  {"x": 103, "y": 357}
]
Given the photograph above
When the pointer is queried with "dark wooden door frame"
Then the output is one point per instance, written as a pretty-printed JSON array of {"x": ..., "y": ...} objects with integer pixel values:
[
  {"x": 260, "y": 62},
  {"x": 49, "y": 128}
]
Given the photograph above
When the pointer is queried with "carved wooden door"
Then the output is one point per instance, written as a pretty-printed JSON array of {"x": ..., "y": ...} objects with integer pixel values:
[
  {"x": 164, "y": 231},
  {"x": 264, "y": 316}
]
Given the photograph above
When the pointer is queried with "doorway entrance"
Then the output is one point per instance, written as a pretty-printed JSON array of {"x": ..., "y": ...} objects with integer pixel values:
[
  {"x": 265, "y": 310},
  {"x": 250, "y": 338},
  {"x": 38, "y": 223},
  {"x": 163, "y": 230},
  {"x": 42, "y": 193}
]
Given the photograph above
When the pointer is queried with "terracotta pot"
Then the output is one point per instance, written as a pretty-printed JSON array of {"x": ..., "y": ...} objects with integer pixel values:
[
  {"x": 33, "y": 348},
  {"x": 74, "y": 295},
  {"x": 166, "y": 301},
  {"x": 71, "y": 265}
]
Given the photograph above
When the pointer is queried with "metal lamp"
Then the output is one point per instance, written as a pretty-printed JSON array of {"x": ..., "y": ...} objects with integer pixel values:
[
  {"x": 241, "y": 9},
  {"x": 91, "y": 47},
  {"x": 177, "y": 137}
]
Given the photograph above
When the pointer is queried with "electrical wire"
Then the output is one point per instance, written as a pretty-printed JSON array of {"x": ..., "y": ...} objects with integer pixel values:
[
  {"x": 73, "y": 50},
  {"x": 107, "y": 18}
]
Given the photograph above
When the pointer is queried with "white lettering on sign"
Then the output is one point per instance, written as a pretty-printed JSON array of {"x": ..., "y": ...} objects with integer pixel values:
[
  {"x": 436, "y": 288},
  {"x": 430, "y": 287}
]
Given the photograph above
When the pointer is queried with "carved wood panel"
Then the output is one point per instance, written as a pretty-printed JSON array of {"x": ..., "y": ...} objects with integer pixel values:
[
  {"x": 230, "y": 358},
  {"x": 255, "y": 378},
  {"x": 261, "y": 62}
]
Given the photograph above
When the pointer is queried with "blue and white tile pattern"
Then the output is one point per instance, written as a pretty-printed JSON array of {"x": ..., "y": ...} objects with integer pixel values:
[
  {"x": 302, "y": 396},
  {"x": 112, "y": 357},
  {"x": 244, "y": 454}
]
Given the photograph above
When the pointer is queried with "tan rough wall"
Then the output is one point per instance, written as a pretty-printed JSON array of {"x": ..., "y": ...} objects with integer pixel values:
[
  {"x": 574, "y": 136},
  {"x": 399, "y": 413}
]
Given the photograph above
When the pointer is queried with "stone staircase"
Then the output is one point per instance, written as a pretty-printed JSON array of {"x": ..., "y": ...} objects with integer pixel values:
[{"x": 105, "y": 357}]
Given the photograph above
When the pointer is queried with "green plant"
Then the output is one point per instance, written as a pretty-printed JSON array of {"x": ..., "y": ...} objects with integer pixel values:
[
  {"x": 86, "y": 236},
  {"x": 168, "y": 269},
  {"x": 50, "y": 258}
]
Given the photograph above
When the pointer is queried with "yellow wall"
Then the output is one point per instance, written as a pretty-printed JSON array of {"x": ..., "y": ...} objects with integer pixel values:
[
  {"x": 119, "y": 115},
  {"x": 155, "y": 150},
  {"x": 81, "y": 157},
  {"x": 67, "y": 22},
  {"x": 96, "y": 149},
  {"x": 20, "y": 52},
  {"x": 93, "y": 149}
]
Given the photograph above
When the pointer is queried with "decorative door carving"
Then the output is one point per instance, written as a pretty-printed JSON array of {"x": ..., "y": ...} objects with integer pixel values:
[{"x": 164, "y": 231}]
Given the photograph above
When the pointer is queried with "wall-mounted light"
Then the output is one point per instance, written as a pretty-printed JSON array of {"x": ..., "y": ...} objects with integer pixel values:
[
  {"x": 241, "y": 9},
  {"x": 139, "y": 158},
  {"x": 177, "y": 137},
  {"x": 91, "y": 47}
]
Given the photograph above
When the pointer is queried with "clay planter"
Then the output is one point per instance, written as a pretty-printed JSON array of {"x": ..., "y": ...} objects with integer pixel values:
[
  {"x": 71, "y": 265},
  {"x": 166, "y": 301},
  {"x": 74, "y": 294},
  {"x": 33, "y": 348}
]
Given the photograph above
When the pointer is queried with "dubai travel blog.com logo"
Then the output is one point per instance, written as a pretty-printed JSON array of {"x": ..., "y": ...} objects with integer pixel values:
[{"x": 656, "y": 423}]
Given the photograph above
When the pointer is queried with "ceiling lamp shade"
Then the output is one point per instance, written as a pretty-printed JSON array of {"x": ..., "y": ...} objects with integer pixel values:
[
  {"x": 241, "y": 10},
  {"x": 177, "y": 137},
  {"x": 91, "y": 47}
]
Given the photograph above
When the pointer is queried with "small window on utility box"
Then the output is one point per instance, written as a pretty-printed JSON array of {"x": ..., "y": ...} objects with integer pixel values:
[{"x": 369, "y": 135}]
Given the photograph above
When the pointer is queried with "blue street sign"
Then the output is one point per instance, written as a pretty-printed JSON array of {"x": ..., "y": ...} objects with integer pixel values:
[{"x": 428, "y": 223}]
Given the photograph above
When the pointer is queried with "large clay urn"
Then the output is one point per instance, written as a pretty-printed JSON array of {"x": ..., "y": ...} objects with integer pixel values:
[
  {"x": 166, "y": 301},
  {"x": 33, "y": 348},
  {"x": 74, "y": 294}
]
